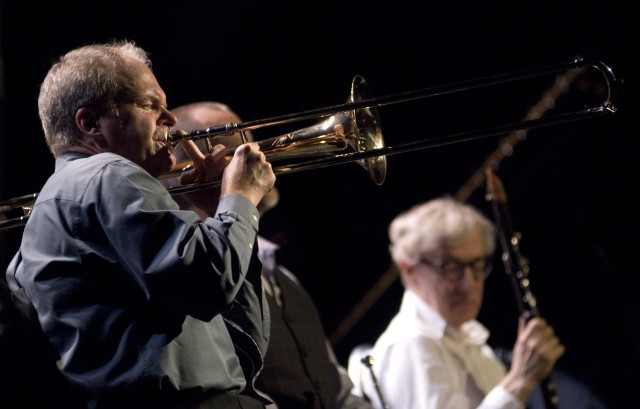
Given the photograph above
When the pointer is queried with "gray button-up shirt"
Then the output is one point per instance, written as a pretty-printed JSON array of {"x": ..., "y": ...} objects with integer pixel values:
[{"x": 129, "y": 288}]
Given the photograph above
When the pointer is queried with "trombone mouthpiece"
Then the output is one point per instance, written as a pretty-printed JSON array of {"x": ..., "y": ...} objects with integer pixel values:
[{"x": 171, "y": 139}]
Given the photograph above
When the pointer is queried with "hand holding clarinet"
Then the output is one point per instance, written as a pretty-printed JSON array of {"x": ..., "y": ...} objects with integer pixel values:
[{"x": 537, "y": 348}]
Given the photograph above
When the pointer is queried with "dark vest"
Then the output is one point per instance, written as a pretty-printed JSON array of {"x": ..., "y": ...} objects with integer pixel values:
[{"x": 297, "y": 370}]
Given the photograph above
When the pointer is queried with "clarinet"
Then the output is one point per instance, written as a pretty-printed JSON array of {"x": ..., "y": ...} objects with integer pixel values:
[{"x": 517, "y": 268}]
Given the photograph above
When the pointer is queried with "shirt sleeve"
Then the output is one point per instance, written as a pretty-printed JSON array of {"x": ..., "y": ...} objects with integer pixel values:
[
  {"x": 499, "y": 397},
  {"x": 189, "y": 266},
  {"x": 112, "y": 249}
]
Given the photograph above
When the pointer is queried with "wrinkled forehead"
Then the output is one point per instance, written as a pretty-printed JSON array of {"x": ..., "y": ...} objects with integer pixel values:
[{"x": 137, "y": 83}]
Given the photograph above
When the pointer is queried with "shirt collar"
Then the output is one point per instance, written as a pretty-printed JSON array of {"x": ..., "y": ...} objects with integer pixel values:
[
  {"x": 471, "y": 332},
  {"x": 64, "y": 158},
  {"x": 267, "y": 253}
]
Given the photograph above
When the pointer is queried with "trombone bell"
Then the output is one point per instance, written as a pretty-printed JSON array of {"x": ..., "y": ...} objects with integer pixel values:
[
  {"x": 368, "y": 132},
  {"x": 346, "y": 132}
]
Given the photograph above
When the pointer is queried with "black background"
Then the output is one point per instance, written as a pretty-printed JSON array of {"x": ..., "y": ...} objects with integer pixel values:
[{"x": 573, "y": 188}]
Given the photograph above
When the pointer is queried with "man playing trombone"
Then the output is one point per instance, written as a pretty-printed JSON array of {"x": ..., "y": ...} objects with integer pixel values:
[{"x": 147, "y": 305}]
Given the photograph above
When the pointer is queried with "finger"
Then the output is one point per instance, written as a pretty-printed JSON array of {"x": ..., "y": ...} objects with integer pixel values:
[
  {"x": 192, "y": 150},
  {"x": 243, "y": 152},
  {"x": 535, "y": 325},
  {"x": 215, "y": 163},
  {"x": 216, "y": 153},
  {"x": 188, "y": 177}
]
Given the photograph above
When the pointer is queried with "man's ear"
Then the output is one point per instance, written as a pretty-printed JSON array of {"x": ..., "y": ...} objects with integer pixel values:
[
  {"x": 88, "y": 121},
  {"x": 405, "y": 270}
]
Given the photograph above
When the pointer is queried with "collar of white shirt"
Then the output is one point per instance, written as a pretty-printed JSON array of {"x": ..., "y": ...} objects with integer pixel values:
[{"x": 471, "y": 332}]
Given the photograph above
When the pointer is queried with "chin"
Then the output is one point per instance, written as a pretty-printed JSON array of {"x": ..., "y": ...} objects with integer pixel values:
[
  {"x": 159, "y": 163},
  {"x": 466, "y": 312}
]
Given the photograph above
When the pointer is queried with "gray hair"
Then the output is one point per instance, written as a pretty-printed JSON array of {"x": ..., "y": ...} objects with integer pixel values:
[
  {"x": 90, "y": 75},
  {"x": 432, "y": 225}
]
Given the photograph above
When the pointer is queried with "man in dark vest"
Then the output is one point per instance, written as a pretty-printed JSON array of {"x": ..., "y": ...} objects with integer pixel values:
[{"x": 300, "y": 368}]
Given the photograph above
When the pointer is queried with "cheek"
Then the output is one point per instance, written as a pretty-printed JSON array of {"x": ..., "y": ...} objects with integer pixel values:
[
  {"x": 129, "y": 129},
  {"x": 140, "y": 127},
  {"x": 159, "y": 163},
  {"x": 430, "y": 291},
  {"x": 480, "y": 294}
]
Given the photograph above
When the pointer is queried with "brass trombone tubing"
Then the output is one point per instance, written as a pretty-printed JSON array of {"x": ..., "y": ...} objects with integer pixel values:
[
  {"x": 349, "y": 157},
  {"x": 231, "y": 127},
  {"x": 14, "y": 222},
  {"x": 17, "y": 202},
  {"x": 605, "y": 107},
  {"x": 25, "y": 203}
]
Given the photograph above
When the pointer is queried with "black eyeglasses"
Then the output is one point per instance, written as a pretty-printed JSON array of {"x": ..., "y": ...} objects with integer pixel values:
[{"x": 453, "y": 270}]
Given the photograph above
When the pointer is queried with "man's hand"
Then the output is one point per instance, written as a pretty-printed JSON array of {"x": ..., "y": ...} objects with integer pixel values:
[
  {"x": 206, "y": 168},
  {"x": 535, "y": 354},
  {"x": 249, "y": 174}
]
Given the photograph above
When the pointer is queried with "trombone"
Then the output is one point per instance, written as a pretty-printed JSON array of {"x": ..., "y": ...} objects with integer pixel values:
[
  {"x": 363, "y": 142},
  {"x": 350, "y": 132},
  {"x": 15, "y": 212}
]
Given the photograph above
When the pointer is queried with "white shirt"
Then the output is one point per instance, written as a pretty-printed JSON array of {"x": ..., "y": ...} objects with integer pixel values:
[
  {"x": 421, "y": 363},
  {"x": 267, "y": 254}
]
